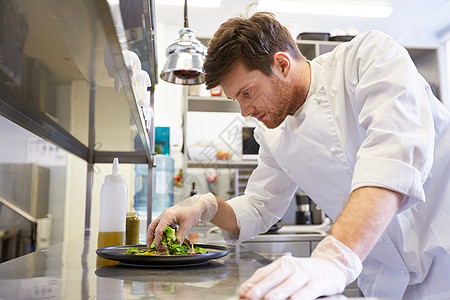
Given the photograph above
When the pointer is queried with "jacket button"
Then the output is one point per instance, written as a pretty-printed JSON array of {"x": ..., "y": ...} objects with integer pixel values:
[{"x": 333, "y": 150}]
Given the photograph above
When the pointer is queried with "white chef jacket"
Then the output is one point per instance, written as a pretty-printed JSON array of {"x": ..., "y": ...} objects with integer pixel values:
[{"x": 370, "y": 119}]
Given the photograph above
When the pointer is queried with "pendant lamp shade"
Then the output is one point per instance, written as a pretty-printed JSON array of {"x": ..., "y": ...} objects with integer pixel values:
[{"x": 184, "y": 60}]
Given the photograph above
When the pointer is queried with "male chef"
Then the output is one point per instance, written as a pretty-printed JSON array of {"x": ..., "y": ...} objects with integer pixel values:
[{"x": 375, "y": 142}]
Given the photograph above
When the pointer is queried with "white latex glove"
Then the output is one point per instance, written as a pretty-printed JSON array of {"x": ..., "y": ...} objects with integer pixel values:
[
  {"x": 186, "y": 214},
  {"x": 331, "y": 267}
]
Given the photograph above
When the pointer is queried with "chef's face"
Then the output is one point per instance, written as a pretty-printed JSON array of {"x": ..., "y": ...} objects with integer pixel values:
[{"x": 267, "y": 98}]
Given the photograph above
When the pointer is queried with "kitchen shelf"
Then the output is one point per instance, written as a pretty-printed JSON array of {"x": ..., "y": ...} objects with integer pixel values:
[
  {"x": 312, "y": 49},
  {"x": 67, "y": 42},
  {"x": 64, "y": 93},
  {"x": 212, "y": 104}
]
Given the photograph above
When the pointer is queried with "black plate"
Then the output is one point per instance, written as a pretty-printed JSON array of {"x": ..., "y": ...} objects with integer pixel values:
[
  {"x": 118, "y": 253},
  {"x": 342, "y": 38},
  {"x": 314, "y": 36}
]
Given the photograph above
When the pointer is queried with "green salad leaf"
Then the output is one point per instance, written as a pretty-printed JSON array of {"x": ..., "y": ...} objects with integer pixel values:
[
  {"x": 133, "y": 251},
  {"x": 169, "y": 245},
  {"x": 199, "y": 250}
]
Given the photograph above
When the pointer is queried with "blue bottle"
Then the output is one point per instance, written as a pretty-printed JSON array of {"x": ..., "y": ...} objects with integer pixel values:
[
  {"x": 141, "y": 188},
  {"x": 140, "y": 182},
  {"x": 162, "y": 184}
]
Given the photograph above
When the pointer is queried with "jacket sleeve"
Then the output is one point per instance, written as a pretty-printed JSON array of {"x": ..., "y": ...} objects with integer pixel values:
[
  {"x": 392, "y": 101},
  {"x": 267, "y": 196}
]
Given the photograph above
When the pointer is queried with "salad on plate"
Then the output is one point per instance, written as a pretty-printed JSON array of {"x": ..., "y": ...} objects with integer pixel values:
[{"x": 169, "y": 245}]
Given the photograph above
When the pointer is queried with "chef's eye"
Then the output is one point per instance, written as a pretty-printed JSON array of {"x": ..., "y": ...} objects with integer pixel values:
[{"x": 246, "y": 93}]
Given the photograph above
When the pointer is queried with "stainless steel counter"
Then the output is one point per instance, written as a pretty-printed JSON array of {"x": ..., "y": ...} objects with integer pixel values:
[{"x": 67, "y": 271}]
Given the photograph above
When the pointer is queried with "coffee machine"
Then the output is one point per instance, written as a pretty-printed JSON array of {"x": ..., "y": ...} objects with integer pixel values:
[{"x": 303, "y": 214}]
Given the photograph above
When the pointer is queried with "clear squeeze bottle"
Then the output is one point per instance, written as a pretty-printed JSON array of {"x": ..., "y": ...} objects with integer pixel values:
[{"x": 113, "y": 212}]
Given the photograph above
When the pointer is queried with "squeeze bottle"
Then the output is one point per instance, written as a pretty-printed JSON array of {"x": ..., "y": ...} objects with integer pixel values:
[{"x": 113, "y": 212}]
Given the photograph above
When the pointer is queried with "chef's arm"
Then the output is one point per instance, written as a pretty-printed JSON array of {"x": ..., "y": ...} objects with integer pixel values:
[
  {"x": 336, "y": 261},
  {"x": 366, "y": 216},
  {"x": 225, "y": 218}
]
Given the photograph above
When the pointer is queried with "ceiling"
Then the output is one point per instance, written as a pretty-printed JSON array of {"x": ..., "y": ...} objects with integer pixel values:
[{"x": 413, "y": 23}]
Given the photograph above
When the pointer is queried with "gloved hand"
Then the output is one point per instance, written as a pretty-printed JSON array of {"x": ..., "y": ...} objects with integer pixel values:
[
  {"x": 331, "y": 267},
  {"x": 186, "y": 214}
]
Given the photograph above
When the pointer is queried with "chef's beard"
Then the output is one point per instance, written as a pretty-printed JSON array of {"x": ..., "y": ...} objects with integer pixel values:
[{"x": 286, "y": 99}]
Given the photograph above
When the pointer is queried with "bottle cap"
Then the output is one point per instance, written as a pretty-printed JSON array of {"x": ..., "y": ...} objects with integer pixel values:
[{"x": 115, "y": 177}]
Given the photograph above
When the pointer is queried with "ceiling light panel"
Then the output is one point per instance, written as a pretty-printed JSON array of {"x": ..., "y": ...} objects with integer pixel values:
[
  {"x": 191, "y": 3},
  {"x": 354, "y": 9}
]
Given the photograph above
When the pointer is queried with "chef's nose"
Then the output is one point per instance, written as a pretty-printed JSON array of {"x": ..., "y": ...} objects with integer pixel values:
[{"x": 246, "y": 109}]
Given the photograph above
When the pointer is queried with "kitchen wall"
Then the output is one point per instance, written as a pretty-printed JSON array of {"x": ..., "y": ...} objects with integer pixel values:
[
  {"x": 445, "y": 71},
  {"x": 168, "y": 97},
  {"x": 200, "y": 127},
  {"x": 76, "y": 168}
]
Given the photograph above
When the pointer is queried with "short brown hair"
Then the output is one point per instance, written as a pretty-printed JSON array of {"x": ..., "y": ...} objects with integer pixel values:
[{"x": 252, "y": 40}]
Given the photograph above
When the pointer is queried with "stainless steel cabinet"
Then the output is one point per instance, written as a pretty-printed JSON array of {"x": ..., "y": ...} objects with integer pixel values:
[
  {"x": 28, "y": 186},
  {"x": 276, "y": 245}
]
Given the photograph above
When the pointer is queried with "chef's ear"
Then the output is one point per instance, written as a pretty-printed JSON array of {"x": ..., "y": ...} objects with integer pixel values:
[{"x": 281, "y": 64}]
